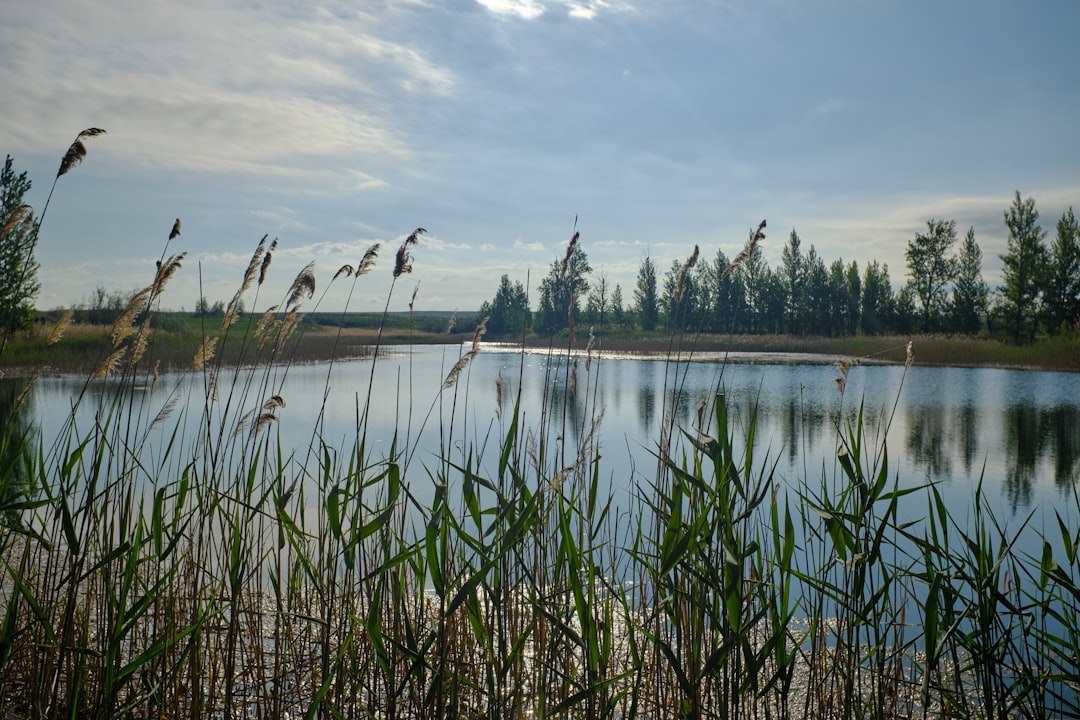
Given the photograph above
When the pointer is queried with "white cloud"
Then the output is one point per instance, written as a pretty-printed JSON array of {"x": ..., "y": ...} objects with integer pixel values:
[
  {"x": 531, "y": 247},
  {"x": 207, "y": 86},
  {"x": 527, "y": 9},
  {"x": 532, "y": 9}
]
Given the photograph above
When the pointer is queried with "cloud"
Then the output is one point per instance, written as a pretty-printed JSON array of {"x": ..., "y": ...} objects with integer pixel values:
[
  {"x": 268, "y": 89},
  {"x": 531, "y": 247},
  {"x": 533, "y": 9},
  {"x": 527, "y": 9}
]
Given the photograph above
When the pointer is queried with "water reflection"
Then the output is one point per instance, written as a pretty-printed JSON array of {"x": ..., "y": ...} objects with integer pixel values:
[
  {"x": 949, "y": 422},
  {"x": 17, "y": 427}
]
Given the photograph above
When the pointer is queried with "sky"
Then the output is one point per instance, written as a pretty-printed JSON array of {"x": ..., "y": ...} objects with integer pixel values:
[{"x": 497, "y": 125}]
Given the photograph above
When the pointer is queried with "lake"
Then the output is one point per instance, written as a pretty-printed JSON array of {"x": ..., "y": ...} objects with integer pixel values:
[{"x": 1017, "y": 430}]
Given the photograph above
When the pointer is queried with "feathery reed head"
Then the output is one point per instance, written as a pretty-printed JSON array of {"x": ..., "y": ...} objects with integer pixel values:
[
  {"x": 910, "y": 357},
  {"x": 266, "y": 261},
  {"x": 205, "y": 353},
  {"x": 17, "y": 216},
  {"x": 61, "y": 326},
  {"x": 304, "y": 284},
  {"x": 346, "y": 270},
  {"x": 403, "y": 261},
  {"x": 265, "y": 326},
  {"x": 756, "y": 236},
  {"x": 165, "y": 270},
  {"x": 109, "y": 365},
  {"x": 569, "y": 253},
  {"x": 453, "y": 321},
  {"x": 680, "y": 284},
  {"x": 125, "y": 324},
  {"x": 368, "y": 261},
  {"x": 77, "y": 151},
  {"x": 175, "y": 232}
]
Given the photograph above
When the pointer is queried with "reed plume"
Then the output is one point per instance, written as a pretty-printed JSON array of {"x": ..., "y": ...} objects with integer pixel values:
[
  {"x": 368, "y": 261},
  {"x": 569, "y": 252},
  {"x": 26, "y": 390},
  {"x": 204, "y": 353},
  {"x": 138, "y": 348},
  {"x": 265, "y": 265},
  {"x": 23, "y": 212},
  {"x": 756, "y": 236},
  {"x": 125, "y": 324},
  {"x": 403, "y": 261},
  {"x": 304, "y": 284},
  {"x": 346, "y": 270},
  {"x": 175, "y": 232},
  {"x": 264, "y": 419},
  {"x": 77, "y": 151},
  {"x": 455, "y": 372},
  {"x": 680, "y": 284},
  {"x": 165, "y": 270},
  {"x": 60, "y": 327},
  {"x": 109, "y": 365},
  {"x": 265, "y": 326}
]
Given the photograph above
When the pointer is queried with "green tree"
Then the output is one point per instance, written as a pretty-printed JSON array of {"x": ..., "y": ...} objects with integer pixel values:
[
  {"x": 1025, "y": 268},
  {"x": 877, "y": 299},
  {"x": 1063, "y": 278},
  {"x": 904, "y": 310},
  {"x": 817, "y": 294},
  {"x": 680, "y": 303},
  {"x": 618, "y": 312},
  {"x": 508, "y": 313},
  {"x": 970, "y": 292},
  {"x": 931, "y": 269},
  {"x": 562, "y": 290},
  {"x": 598, "y": 304},
  {"x": 645, "y": 301},
  {"x": 754, "y": 272},
  {"x": 18, "y": 269},
  {"x": 792, "y": 272}
]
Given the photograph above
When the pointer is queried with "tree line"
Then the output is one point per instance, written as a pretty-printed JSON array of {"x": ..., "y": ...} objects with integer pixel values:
[{"x": 943, "y": 292}]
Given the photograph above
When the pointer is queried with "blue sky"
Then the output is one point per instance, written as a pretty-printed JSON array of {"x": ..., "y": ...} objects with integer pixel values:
[{"x": 494, "y": 123}]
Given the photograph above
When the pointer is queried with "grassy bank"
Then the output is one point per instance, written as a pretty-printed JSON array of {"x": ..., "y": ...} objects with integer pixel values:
[
  {"x": 87, "y": 345},
  {"x": 230, "y": 572}
]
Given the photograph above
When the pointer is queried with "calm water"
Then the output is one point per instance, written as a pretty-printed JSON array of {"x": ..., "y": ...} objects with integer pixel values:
[{"x": 1020, "y": 430}]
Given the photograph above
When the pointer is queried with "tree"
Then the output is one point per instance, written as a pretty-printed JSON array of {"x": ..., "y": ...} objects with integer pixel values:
[
  {"x": 877, "y": 299},
  {"x": 599, "y": 302},
  {"x": 679, "y": 300},
  {"x": 18, "y": 270},
  {"x": 792, "y": 274},
  {"x": 969, "y": 290},
  {"x": 508, "y": 313},
  {"x": 931, "y": 269},
  {"x": 1063, "y": 278},
  {"x": 645, "y": 304},
  {"x": 618, "y": 312},
  {"x": 562, "y": 290},
  {"x": 817, "y": 293},
  {"x": 1025, "y": 267},
  {"x": 754, "y": 272}
]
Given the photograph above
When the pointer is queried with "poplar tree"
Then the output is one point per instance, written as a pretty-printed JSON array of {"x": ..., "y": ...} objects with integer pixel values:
[
  {"x": 1063, "y": 278},
  {"x": 1025, "y": 269},
  {"x": 931, "y": 269},
  {"x": 970, "y": 292},
  {"x": 645, "y": 302}
]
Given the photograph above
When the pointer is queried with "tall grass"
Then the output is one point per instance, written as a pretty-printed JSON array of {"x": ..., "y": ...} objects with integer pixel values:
[{"x": 157, "y": 565}]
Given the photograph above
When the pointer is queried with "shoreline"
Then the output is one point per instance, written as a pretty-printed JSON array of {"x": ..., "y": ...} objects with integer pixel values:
[{"x": 30, "y": 356}]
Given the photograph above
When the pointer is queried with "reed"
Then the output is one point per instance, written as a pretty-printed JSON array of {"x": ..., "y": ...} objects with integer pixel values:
[{"x": 158, "y": 567}]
